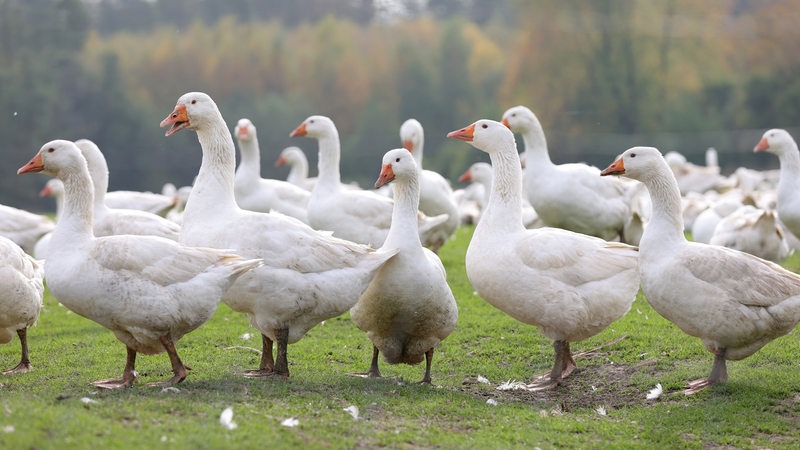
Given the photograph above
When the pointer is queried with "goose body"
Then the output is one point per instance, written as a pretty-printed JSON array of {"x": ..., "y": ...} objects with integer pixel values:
[
  {"x": 23, "y": 227},
  {"x": 569, "y": 285},
  {"x": 263, "y": 194},
  {"x": 298, "y": 167},
  {"x": 733, "y": 301},
  {"x": 21, "y": 292},
  {"x": 570, "y": 196},
  {"x": 781, "y": 144},
  {"x": 309, "y": 276},
  {"x": 408, "y": 307},
  {"x": 148, "y": 290}
]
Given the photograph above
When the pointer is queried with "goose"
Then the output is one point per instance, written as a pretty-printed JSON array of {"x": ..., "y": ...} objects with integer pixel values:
[
  {"x": 408, "y": 308},
  {"x": 353, "y": 214},
  {"x": 21, "y": 293},
  {"x": 148, "y": 290},
  {"x": 570, "y": 285},
  {"x": 570, "y": 196},
  {"x": 309, "y": 276},
  {"x": 108, "y": 221},
  {"x": 297, "y": 161},
  {"x": 435, "y": 192},
  {"x": 752, "y": 230},
  {"x": 733, "y": 301},
  {"x": 780, "y": 143},
  {"x": 263, "y": 194},
  {"x": 24, "y": 228}
]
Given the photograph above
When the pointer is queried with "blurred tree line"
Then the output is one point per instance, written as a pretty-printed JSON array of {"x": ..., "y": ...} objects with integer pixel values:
[{"x": 601, "y": 75}]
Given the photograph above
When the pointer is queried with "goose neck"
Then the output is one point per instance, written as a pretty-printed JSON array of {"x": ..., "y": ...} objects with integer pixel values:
[
  {"x": 328, "y": 163},
  {"x": 504, "y": 210},
  {"x": 77, "y": 211},
  {"x": 404, "y": 230}
]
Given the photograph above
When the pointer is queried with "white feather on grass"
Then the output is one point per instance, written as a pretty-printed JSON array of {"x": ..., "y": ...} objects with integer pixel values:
[
  {"x": 352, "y": 410},
  {"x": 655, "y": 392},
  {"x": 226, "y": 419},
  {"x": 290, "y": 422}
]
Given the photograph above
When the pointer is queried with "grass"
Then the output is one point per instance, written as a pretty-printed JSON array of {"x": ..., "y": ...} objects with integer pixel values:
[{"x": 55, "y": 406}]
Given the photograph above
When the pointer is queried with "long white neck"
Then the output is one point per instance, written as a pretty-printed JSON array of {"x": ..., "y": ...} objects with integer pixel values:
[
  {"x": 214, "y": 183},
  {"x": 328, "y": 164},
  {"x": 77, "y": 212},
  {"x": 250, "y": 165},
  {"x": 298, "y": 172},
  {"x": 536, "y": 153},
  {"x": 404, "y": 230},
  {"x": 666, "y": 223},
  {"x": 419, "y": 152},
  {"x": 504, "y": 211},
  {"x": 789, "y": 179}
]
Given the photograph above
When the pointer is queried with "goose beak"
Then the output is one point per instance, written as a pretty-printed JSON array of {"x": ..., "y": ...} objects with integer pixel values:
[
  {"x": 178, "y": 118},
  {"x": 466, "y": 176},
  {"x": 408, "y": 145},
  {"x": 34, "y": 165},
  {"x": 616, "y": 168},
  {"x": 762, "y": 146},
  {"x": 386, "y": 176},
  {"x": 242, "y": 132},
  {"x": 46, "y": 191},
  {"x": 464, "y": 134},
  {"x": 280, "y": 161},
  {"x": 505, "y": 122},
  {"x": 299, "y": 131}
]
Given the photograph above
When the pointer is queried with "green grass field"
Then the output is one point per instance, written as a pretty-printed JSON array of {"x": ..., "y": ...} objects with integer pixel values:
[{"x": 602, "y": 405}]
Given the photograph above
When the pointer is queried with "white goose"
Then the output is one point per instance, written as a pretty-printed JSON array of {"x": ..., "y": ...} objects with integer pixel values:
[
  {"x": 752, "y": 230},
  {"x": 780, "y": 143},
  {"x": 408, "y": 307},
  {"x": 158, "y": 204},
  {"x": 263, "y": 194},
  {"x": 298, "y": 167},
  {"x": 435, "y": 193},
  {"x": 570, "y": 285},
  {"x": 148, "y": 290},
  {"x": 21, "y": 291},
  {"x": 570, "y": 196},
  {"x": 308, "y": 276},
  {"x": 353, "y": 214},
  {"x": 733, "y": 301},
  {"x": 109, "y": 221}
]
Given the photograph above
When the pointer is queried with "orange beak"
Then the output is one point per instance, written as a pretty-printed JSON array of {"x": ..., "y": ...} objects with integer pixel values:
[
  {"x": 177, "y": 118},
  {"x": 386, "y": 176},
  {"x": 45, "y": 192},
  {"x": 464, "y": 134},
  {"x": 762, "y": 146},
  {"x": 280, "y": 161},
  {"x": 299, "y": 131},
  {"x": 242, "y": 132},
  {"x": 34, "y": 165},
  {"x": 408, "y": 145},
  {"x": 466, "y": 176},
  {"x": 616, "y": 168},
  {"x": 505, "y": 122}
]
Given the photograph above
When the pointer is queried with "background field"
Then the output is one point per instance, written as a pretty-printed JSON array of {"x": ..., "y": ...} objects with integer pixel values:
[{"x": 602, "y": 405}]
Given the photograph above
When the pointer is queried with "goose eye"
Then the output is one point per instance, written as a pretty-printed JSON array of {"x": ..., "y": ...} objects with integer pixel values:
[
  {"x": 311, "y": 121},
  {"x": 194, "y": 101},
  {"x": 484, "y": 126},
  {"x": 51, "y": 150},
  {"x": 397, "y": 160},
  {"x": 633, "y": 155}
]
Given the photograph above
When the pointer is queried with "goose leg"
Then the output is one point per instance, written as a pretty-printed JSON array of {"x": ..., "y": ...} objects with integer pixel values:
[
  {"x": 128, "y": 374},
  {"x": 281, "y": 359},
  {"x": 563, "y": 366},
  {"x": 267, "y": 362},
  {"x": 178, "y": 368},
  {"x": 428, "y": 360},
  {"x": 24, "y": 363},
  {"x": 373, "y": 367},
  {"x": 718, "y": 375}
]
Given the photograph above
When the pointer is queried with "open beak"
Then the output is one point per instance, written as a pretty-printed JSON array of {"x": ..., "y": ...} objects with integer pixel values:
[
  {"x": 34, "y": 165},
  {"x": 464, "y": 134},
  {"x": 299, "y": 131},
  {"x": 616, "y": 168},
  {"x": 177, "y": 118},
  {"x": 386, "y": 176}
]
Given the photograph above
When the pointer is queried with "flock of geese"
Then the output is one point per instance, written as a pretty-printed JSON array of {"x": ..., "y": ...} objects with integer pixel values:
[{"x": 565, "y": 248}]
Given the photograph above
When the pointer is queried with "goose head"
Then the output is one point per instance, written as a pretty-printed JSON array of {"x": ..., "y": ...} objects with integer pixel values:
[
  {"x": 315, "y": 127},
  {"x": 638, "y": 163},
  {"x": 775, "y": 141},
  {"x": 192, "y": 111},
  {"x": 486, "y": 135},
  {"x": 55, "y": 158},
  {"x": 520, "y": 119},
  {"x": 398, "y": 164},
  {"x": 245, "y": 130},
  {"x": 411, "y": 134}
]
